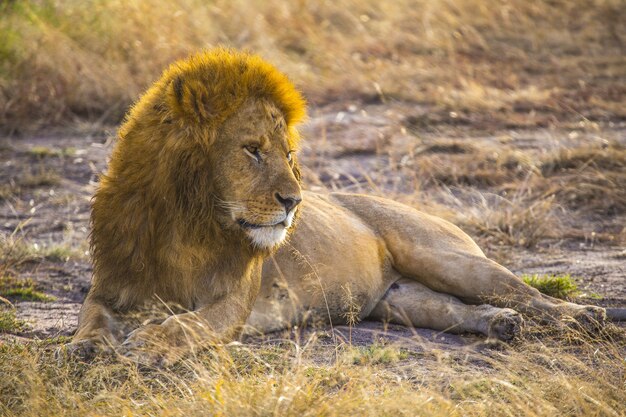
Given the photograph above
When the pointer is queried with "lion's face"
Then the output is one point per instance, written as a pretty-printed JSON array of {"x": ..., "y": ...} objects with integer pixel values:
[{"x": 256, "y": 186}]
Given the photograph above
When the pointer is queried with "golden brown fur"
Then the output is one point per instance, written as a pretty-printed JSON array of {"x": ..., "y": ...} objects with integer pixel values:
[{"x": 200, "y": 186}]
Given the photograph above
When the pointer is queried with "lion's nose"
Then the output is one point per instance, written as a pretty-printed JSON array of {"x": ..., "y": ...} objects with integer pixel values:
[{"x": 288, "y": 202}]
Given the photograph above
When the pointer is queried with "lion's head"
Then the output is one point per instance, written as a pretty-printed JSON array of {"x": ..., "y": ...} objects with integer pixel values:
[
  {"x": 212, "y": 146},
  {"x": 204, "y": 167},
  {"x": 258, "y": 191}
]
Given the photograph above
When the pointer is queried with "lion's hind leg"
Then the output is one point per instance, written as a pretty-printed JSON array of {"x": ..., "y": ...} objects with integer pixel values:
[
  {"x": 441, "y": 256},
  {"x": 411, "y": 303},
  {"x": 476, "y": 279}
]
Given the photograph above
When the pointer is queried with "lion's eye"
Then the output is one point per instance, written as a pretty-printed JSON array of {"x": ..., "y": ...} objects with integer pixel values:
[
  {"x": 289, "y": 156},
  {"x": 253, "y": 152}
]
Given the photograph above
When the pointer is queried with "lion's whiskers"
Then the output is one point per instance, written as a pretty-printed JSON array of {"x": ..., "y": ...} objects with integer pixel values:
[{"x": 231, "y": 206}]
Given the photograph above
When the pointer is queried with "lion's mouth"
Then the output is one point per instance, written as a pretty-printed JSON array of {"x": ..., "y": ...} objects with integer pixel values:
[
  {"x": 267, "y": 235},
  {"x": 247, "y": 225}
]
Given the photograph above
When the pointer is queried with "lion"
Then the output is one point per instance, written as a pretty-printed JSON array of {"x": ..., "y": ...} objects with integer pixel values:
[
  {"x": 201, "y": 183},
  {"x": 201, "y": 210}
]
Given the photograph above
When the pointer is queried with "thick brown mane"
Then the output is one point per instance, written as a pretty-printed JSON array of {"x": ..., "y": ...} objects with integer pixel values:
[{"x": 153, "y": 226}]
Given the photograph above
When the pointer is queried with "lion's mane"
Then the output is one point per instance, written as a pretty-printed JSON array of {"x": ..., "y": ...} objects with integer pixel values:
[{"x": 152, "y": 214}]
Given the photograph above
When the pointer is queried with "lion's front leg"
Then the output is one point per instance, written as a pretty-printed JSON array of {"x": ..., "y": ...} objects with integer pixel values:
[
  {"x": 219, "y": 321},
  {"x": 98, "y": 329}
]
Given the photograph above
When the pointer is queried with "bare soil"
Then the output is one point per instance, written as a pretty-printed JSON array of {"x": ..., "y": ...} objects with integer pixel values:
[{"x": 375, "y": 148}]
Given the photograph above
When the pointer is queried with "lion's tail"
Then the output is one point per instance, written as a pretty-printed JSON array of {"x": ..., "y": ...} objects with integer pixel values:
[{"x": 616, "y": 314}]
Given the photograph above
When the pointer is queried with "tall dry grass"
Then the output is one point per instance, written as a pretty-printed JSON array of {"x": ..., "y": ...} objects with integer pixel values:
[
  {"x": 500, "y": 194},
  {"x": 558, "y": 372},
  {"x": 88, "y": 60}
]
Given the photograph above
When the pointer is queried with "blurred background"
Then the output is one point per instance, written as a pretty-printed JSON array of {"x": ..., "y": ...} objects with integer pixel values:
[{"x": 527, "y": 62}]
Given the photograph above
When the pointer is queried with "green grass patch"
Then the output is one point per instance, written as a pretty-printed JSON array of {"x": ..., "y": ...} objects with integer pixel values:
[
  {"x": 54, "y": 341},
  {"x": 9, "y": 323},
  {"x": 558, "y": 286},
  {"x": 377, "y": 355},
  {"x": 60, "y": 253},
  {"x": 22, "y": 289},
  {"x": 42, "y": 152}
]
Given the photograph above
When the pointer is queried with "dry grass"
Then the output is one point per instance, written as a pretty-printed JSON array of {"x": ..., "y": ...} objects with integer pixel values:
[
  {"x": 43, "y": 178},
  {"x": 478, "y": 168},
  {"x": 21, "y": 289},
  {"x": 587, "y": 178},
  {"x": 28, "y": 178},
  {"x": 505, "y": 196},
  {"x": 16, "y": 250},
  {"x": 63, "y": 61},
  {"x": 518, "y": 220},
  {"x": 562, "y": 373},
  {"x": 9, "y": 323}
]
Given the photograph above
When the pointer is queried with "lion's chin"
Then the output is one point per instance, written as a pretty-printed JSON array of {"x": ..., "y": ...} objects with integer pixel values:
[{"x": 267, "y": 237}]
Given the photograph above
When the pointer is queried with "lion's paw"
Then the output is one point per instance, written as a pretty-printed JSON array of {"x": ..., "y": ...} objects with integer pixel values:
[
  {"x": 149, "y": 346},
  {"x": 505, "y": 325},
  {"x": 85, "y": 350},
  {"x": 590, "y": 318}
]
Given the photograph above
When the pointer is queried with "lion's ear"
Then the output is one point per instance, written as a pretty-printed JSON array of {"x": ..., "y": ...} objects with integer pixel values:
[{"x": 189, "y": 99}]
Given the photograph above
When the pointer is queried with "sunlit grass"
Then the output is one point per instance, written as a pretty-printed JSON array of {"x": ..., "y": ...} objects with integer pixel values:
[
  {"x": 22, "y": 289},
  {"x": 546, "y": 374},
  {"x": 9, "y": 323},
  {"x": 503, "y": 64},
  {"x": 16, "y": 251},
  {"x": 559, "y": 286},
  {"x": 88, "y": 60}
]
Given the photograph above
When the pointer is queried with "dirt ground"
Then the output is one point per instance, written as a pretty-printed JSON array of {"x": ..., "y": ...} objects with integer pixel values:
[{"x": 47, "y": 181}]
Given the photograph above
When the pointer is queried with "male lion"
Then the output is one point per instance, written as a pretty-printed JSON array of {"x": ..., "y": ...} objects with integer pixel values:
[{"x": 203, "y": 185}]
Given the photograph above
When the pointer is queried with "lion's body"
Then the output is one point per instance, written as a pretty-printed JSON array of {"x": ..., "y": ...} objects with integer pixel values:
[
  {"x": 353, "y": 257},
  {"x": 332, "y": 260}
]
